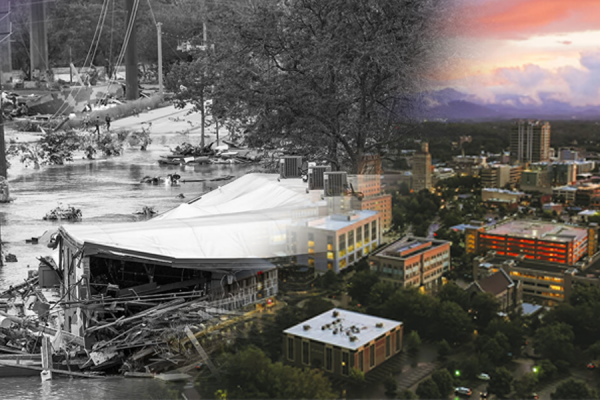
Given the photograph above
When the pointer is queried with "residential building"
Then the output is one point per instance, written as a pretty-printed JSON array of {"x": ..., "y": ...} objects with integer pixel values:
[
  {"x": 536, "y": 240},
  {"x": 339, "y": 340},
  {"x": 412, "y": 262},
  {"x": 421, "y": 169},
  {"x": 508, "y": 292},
  {"x": 530, "y": 141}
]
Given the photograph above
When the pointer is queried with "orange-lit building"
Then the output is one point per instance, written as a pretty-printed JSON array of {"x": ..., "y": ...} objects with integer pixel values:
[
  {"x": 534, "y": 240},
  {"x": 373, "y": 199}
]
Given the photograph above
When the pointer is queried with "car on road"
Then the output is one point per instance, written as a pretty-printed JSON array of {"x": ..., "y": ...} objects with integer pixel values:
[
  {"x": 591, "y": 365},
  {"x": 464, "y": 391},
  {"x": 483, "y": 395},
  {"x": 533, "y": 396},
  {"x": 483, "y": 377}
]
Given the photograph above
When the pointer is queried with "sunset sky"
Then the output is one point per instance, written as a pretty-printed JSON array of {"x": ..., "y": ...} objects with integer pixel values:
[{"x": 542, "y": 49}]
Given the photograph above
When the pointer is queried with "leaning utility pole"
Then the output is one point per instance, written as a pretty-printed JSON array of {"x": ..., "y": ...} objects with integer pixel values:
[
  {"x": 5, "y": 31},
  {"x": 131, "y": 67},
  {"x": 160, "y": 66}
]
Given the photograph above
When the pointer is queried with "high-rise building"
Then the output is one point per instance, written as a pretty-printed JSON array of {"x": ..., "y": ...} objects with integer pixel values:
[
  {"x": 530, "y": 141},
  {"x": 421, "y": 169}
]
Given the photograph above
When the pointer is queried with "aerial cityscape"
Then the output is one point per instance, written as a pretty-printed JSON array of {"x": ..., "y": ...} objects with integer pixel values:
[{"x": 301, "y": 199}]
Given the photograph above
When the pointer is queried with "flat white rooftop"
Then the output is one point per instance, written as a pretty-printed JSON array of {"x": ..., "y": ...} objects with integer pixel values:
[
  {"x": 337, "y": 222},
  {"x": 337, "y": 330}
]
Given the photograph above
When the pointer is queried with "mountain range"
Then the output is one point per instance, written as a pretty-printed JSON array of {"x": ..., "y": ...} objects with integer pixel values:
[{"x": 453, "y": 105}]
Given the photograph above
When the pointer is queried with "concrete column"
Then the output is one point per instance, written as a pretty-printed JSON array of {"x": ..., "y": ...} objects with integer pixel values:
[
  {"x": 38, "y": 32},
  {"x": 5, "y": 50},
  {"x": 131, "y": 67}
]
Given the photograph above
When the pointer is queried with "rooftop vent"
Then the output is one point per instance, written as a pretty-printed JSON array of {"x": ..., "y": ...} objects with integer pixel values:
[
  {"x": 353, "y": 338},
  {"x": 335, "y": 183},
  {"x": 335, "y": 331},
  {"x": 306, "y": 327},
  {"x": 290, "y": 167},
  {"x": 379, "y": 325},
  {"x": 335, "y": 314},
  {"x": 316, "y": 176}
]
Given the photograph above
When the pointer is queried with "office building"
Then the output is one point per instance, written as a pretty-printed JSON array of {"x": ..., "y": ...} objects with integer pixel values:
[
  {"x": 339, "y": 340},
  {"x": 412, "y": 262},
  {"x": 530, "y": 141},
  {"x": 421, "y": 169}
]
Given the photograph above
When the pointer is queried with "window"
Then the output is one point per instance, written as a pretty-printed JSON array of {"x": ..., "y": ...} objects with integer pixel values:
[
  {"x": 366, "y": 232},
  {"x": 342, "y": 245},
  {"x": 329, "y": 265},
  {"x": 361, "y": 360},
  {"x": 291, "y": 348},
  {"x": 330, "y": 255},
  {"x": 359, "y": 237},
  {"x": 388, "y": 345},
  {"x": 373, "y": 230},
  {"x": 345, "y": 363},
  {"x": 329, "y": 243},
  {"x": 372, "y": 355},
  {"x": 351, "y": 241},
  {"x": 311, "y": 262},
  {"x": 398, "y": 339},
  {"x": 305, "y": 353},
  {"x": 328, "y": 358},
  {"x": 342, "y": 263}
]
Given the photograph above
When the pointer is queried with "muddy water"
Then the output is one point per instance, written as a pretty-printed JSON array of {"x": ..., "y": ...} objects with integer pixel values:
[{"x": 105, "y": 190}]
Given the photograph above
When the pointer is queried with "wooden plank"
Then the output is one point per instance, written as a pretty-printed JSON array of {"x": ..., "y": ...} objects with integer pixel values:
[
  {"x": 172, "y": 377},
  {"x": 201, "y": 351},
  {"x": 46, "y": 353},
  {"x": 138, "y": 375}
]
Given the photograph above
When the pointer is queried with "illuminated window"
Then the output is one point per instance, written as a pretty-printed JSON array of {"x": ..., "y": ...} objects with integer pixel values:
[
  {"x": 342, "y": 245},
  {"x": 556, "y": 287},
  {"x": 329, "y": 243},
  {"x": 345, "y": 363},
  {"x": 329, "y": 265},
  {"x": 351, "y": 241},
  {"x": 311, "y": 243},
  {"x": 311, "y": 262},
  {"x": 342, "y": 263},
  {"x": 330, "y": 255}
]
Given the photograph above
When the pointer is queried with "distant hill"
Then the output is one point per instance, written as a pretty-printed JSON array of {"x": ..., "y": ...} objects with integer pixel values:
[{"x": 453, "y": 105}]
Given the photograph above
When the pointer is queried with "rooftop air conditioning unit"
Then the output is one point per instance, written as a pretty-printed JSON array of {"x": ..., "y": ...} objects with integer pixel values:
[
  {"x": 316, "y": 178},
  {"x": 335, "y": 183},
  {"x": 290, "y": 167}
]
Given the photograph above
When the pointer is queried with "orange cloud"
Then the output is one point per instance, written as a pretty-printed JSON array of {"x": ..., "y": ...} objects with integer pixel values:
[{"x": 519, "y": 19}]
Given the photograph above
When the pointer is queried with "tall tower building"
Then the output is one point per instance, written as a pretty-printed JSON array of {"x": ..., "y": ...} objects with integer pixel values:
[
  {"x": 421, "y": 169},
  {"x": 530, "y": 141}
]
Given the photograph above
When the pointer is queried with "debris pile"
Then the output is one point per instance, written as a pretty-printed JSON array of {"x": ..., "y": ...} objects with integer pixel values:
[
  {"x": 138, "y": 336},
  {"x": 60, "y": 213}
]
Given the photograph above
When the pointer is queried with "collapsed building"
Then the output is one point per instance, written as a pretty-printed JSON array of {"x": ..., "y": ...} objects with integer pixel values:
[{"x": 222, "y": 248}]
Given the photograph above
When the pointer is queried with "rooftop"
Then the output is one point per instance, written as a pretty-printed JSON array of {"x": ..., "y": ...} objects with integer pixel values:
[
  {"x": 337, "y": 222},
  {"x": 337, "y": 327},
  {"x": 496, "y": 283},
  {"x": 539, "y": 230},
  {"x": 409, "y": 246}
]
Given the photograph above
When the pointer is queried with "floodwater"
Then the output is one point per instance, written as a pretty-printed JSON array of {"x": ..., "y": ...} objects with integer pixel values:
[
  {"x": 105, "y": 190},
  {"x": 32, "y": 388}
]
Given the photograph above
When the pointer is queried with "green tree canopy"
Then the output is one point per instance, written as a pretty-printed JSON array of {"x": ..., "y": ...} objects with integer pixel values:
[
  {"x": 360, "y": 285},
  {"x": 251, "y": 375},
  {"x": 329, "y": 80},
  {"x": 501, "y": 382},
  {"x": 573, "y": 389},
  {"x": 444, "y": 381},
  {"x": 428, "y": 389},
  {"x": 555, "y": 342}
]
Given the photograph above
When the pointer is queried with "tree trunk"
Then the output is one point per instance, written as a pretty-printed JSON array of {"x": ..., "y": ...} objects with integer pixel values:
[{"x": 202, "y": 120}]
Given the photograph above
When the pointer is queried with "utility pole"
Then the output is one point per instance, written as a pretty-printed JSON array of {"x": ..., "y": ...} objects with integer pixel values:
[
  {"x": 4, "y": 192},
  {"x": 70, "y": 68},
  {"x": 160, "y": 66},
  {"x": 131, "y": 67}
]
